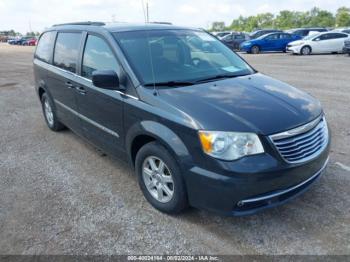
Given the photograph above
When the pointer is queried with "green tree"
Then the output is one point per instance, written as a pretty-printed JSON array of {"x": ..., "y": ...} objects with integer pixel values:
[
  {"x": 239, "y": 24},
  {"x": 287, "y": 19},
  {"x": 321, "y": 18},
  {"x": 342, "y": 18}
]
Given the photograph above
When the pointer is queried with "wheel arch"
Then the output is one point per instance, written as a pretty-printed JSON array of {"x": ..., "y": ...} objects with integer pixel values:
[
  {"x": 147, "y": 131},
  {"x": 257, "y": 45},
  {"x": 307, "y": 45}
]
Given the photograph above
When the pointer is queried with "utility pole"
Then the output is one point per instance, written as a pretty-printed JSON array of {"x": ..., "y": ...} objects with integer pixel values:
[{"x": 147, "y": 12}]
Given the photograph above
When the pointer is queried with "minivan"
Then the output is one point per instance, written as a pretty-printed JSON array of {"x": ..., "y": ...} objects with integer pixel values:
[{"x": 198, "y": 124}]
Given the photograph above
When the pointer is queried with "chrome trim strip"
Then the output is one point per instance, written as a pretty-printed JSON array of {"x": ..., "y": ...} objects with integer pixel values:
[
  {"x": 256, "y": 199},
  {"x": 38, "y": 62},
  {"x": 87, "y": 119},
  {"x": 298, "y": 130},
  {"x": 322, "y": 146}
]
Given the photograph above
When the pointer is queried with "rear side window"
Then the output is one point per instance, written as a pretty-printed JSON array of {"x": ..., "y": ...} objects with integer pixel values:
[
  {"x": 66, "y": 51},
  {"x": 97, "y": 56},
  {"x": 285, "y": 36},
  {"x": 45, "y": 45},
  {"x": 338, "y": 35}
]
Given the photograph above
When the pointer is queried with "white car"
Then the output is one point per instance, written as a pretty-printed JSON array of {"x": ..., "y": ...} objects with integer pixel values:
[{"x": 325, "y": 42}]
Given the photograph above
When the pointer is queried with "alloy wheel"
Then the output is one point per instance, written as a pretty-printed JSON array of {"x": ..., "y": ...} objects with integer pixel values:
[
  {"x": 48, "y": 113},
  {"x": 158, "y": 179}
]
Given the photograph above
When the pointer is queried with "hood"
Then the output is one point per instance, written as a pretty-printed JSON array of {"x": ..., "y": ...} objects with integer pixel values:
[
  {"x": 254, "y": 103},
  {"x": 251, "y": 41},
  {"x": 297, "y": 42}
]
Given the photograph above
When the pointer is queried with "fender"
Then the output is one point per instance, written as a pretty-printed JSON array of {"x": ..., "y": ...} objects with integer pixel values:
[{"x": 162, "y": 134}]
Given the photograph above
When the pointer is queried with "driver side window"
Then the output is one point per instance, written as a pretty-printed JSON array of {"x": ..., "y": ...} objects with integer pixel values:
[{"x": 97, "y": 56}]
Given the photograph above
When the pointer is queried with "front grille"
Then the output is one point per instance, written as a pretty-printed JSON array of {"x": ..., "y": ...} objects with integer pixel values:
[
  {"x": 347, "y": 43},
  {"x": 303, "y": 143}
]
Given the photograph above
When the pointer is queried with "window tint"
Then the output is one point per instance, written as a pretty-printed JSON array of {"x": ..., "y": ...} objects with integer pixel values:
[
  {"x": 97, "y": 56},
  {"x": 66, "y": 51},
  {"x": 45, "y": 45},
  {"x": 239, "y": 36},
  {"x": 178, "y": 55},
  {"x": 324, "y": 37},
  {"x": 338, "y": 35},
  {"x": 285, "y": 36},
  {"x": 272, "y": 37}
]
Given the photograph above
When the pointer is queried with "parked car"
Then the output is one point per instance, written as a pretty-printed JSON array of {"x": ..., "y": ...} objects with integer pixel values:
[
  {"x": 302, "y": 32},
  {"x": 342, "y": 30},
  {"x": 234, "y": 39},
  {"x": 222, "y": 34},
  {"x": 262, "y": 32},
  {"x": 4, "y": 38},
  {"x": 19, "y": 41},
  {"x": 327, "y": 42},
  {"x": 346, "y": 47},
  {"x": 198, "y": 124},
  {"x": 269, "y": 42},
  {"x": 30, "y": 42}
]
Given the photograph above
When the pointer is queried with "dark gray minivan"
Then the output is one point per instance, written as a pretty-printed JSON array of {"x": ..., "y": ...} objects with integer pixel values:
[{"x": 198, "y": 124}]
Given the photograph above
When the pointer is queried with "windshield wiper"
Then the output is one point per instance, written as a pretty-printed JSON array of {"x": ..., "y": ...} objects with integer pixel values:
[
  {"x": 223, "y": 76},
  {"x": 170, "y": 83}
]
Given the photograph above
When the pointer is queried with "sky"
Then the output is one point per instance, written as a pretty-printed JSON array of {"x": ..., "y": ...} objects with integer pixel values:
[{"x": 36, "y": 15}]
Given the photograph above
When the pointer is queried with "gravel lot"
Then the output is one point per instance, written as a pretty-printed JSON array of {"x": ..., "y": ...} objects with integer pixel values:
[{"x": 59, "y": 195}]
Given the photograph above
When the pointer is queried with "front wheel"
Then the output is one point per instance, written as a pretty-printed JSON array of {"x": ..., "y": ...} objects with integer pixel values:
[
  {"x": 306, "y": 50},
  {"x": 255, "y": 49},
  {"x": 160, "y": 179}
]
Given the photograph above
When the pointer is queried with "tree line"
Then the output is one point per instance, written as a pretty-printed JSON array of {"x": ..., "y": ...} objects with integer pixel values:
[
  {"x": 12, "y": 33},
  {"x": 288, "y": 19}
]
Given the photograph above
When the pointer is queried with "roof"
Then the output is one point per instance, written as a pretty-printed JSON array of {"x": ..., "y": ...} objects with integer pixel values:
[{"x": 116, "y": 27}]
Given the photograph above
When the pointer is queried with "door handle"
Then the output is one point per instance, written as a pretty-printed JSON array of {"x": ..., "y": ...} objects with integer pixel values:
[
  {"x": 69, "y": 85},
  {"x": 81, "y": 90}
]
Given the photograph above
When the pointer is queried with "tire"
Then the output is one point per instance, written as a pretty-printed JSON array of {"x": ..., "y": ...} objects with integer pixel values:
[
  {"x": 306, "y": 50},
  {"x": 166, "y": 192},
  {"x": 255, "y": 49},
  {"x": 50, "y": 114}
]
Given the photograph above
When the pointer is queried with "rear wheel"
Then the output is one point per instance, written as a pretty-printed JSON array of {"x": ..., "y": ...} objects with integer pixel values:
[
  {"x": 50, "y": 114},
  {"x": 255, "y": 49},
  {"x": 306, "y": 50},
  {"x": 160, "y": 179}
]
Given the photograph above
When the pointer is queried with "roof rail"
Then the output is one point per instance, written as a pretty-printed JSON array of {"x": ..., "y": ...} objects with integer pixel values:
[
  {"x": 83, "y": 23},
  {"x": 160, "y": 23}
]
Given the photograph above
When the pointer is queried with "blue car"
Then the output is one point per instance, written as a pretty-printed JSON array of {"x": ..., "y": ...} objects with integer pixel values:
[{"x": 270, "y": 42}]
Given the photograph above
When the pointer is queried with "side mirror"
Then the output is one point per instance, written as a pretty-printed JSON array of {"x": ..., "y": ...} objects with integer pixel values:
[
  {"x": 317, "y": 39},
  {"x": 106, "y": 79}
]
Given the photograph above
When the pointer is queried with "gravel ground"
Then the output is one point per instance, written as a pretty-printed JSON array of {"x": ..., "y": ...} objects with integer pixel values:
[{"x": 59, "y": 195}]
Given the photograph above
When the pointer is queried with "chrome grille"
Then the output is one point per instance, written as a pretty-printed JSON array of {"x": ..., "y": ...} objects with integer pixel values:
[{"x": 303, "y": 143}]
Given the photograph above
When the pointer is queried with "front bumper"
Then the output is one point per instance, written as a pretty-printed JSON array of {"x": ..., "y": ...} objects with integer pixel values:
[
  {"x": 265, "y": 183},
  {"x": 294, "y": 49},
  {"x": 245, "y": 48}
]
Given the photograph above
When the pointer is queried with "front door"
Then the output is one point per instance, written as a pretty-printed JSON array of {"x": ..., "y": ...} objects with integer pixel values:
[{"x": 101, "y": 110}]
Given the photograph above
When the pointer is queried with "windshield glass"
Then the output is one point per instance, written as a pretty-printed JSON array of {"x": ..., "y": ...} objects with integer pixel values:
[
  {"x": 159, "y": 56},
  {"x": 309, "y": 37}
]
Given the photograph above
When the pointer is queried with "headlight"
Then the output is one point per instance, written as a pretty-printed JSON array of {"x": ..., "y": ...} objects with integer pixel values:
[{"x": 230, "y": 145}]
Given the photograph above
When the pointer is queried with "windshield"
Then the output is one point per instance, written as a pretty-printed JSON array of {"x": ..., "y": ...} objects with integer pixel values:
[
  {"x": 159, "y": 56},
  {"x": 309, "y": 37}
]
